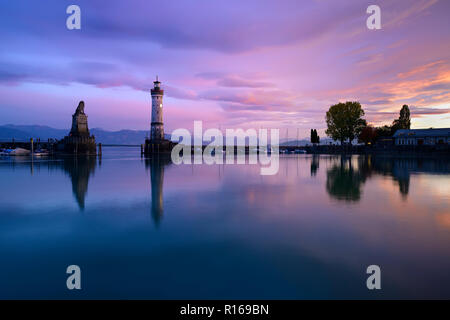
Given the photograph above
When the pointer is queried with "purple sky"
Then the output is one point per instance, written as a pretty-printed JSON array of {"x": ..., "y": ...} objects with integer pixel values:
[{"x": 271, "y": 64}]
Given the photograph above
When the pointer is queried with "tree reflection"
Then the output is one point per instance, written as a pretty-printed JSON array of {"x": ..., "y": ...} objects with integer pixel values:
[
  {"x": 344, "y": 181},
  {"x": 314, "y": 164},
  {"x": 346, "y": 178}
]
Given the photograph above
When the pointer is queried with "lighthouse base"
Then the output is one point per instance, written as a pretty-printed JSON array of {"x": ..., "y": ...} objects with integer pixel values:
[{"x": 158, "y": 146}]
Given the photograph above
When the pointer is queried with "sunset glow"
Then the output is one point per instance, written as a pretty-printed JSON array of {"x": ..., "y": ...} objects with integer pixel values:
[{"x": 264, "y": 65}]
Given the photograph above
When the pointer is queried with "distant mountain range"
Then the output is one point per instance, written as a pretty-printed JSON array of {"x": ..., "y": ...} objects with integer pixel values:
[
  {"x": 304, "y": 142},
  {"x": 9, "y": 132},
  {"x": 122, "y": 137}
]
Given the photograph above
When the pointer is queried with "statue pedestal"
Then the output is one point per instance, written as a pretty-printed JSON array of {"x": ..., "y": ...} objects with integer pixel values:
[
  {"x": 79, "y": 140},
  {"x": 79, "y": 145}
]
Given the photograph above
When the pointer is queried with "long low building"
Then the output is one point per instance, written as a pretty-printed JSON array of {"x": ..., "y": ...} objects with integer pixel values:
[{"x": 422, "y": 136}]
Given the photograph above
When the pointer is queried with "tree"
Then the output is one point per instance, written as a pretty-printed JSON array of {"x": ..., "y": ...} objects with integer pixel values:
[
  {"x": 384, "y": 131},
  {"x": 314, "y": 136},
  {"x": 344, "y": 121},
  {"x": 404, "y": 120},
  {"x": 368, "y": 135}
]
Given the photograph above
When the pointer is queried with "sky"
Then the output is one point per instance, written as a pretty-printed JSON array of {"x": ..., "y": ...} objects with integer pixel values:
[{"x": 231, "y": 64}]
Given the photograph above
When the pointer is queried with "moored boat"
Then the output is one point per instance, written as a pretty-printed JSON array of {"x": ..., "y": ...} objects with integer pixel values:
[{"x": 15, "y": 152}]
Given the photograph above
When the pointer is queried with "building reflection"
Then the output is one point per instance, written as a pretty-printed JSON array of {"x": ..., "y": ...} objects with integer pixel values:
[
  {"x": 79, "y": 170},
  {"x": 156, "y": 166},
  {"x": 347, "y": 175}
]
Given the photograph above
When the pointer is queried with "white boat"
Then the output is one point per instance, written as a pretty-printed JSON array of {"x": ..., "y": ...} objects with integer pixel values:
[
  {"x": 19, "y": 152},
  {"x": 40, "y": 153}
]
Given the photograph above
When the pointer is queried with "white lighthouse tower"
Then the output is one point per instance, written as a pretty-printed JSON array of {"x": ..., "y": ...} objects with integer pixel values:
[
  {"x": 157, "y": 126},
  {"x": 157, "y": 143}
]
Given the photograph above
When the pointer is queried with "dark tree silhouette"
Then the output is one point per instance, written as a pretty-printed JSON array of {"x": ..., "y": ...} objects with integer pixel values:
[
  {"x": 344, "y": 121},
  {"x": 384, "y": 131},
  {"x": 314, "y": 136},
  {"x": 368, "y": 135},
  {"x": 404, "y": 120}
]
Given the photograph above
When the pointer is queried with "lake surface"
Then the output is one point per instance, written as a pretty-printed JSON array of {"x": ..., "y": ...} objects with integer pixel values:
[{"x": 151, "y": 229}]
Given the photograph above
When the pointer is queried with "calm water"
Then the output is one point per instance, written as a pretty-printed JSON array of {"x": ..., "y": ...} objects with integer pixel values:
[{"x": 151, "y": 229}]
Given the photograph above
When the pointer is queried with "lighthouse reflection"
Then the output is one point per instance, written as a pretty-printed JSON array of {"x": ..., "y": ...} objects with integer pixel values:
[{"x": 156, "y": 166}]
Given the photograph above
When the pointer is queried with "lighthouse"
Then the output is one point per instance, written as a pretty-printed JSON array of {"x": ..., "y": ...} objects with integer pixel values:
[
  {"x": 157, "y": 126},
  {"x": 156, "y": 143}
]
